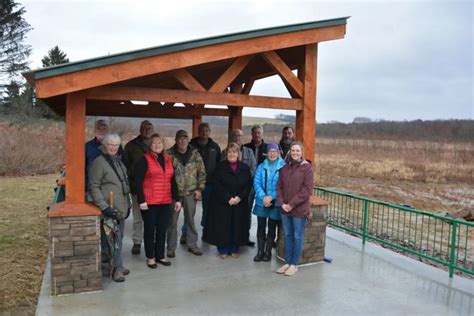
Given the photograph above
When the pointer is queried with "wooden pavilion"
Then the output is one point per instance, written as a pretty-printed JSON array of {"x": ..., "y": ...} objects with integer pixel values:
[{"x": 218, "y": 70}]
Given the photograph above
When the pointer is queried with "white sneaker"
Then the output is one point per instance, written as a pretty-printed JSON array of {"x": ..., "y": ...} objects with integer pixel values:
[
  {"x": 291, "y": 270},
  {"x": 282, "y": 269}
]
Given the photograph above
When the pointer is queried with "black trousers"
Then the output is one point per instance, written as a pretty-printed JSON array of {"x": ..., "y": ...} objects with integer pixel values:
[
  {"x": 155, "y": 223},
  {"x": 262, "y": 227}
]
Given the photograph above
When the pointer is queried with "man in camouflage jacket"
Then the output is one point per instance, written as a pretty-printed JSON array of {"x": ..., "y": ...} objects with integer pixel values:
[{"x": 190, "y": 174}]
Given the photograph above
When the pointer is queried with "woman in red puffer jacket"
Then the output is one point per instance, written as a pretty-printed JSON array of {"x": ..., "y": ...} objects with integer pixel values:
[{"x": 156, "y": 190}]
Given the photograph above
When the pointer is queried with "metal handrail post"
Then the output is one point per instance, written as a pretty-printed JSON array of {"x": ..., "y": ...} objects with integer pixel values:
[
  {"x": 366, "y": 216},
  {"x": 453, "y": 250}
]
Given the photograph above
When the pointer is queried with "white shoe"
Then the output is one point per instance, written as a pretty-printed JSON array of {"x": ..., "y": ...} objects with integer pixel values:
[
  {"x": 291, "y": 270},
  {"x": 282, "y": 269}
]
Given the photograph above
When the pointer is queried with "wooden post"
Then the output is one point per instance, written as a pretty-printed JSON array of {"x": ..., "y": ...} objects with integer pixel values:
[
  {"x": 235, "y": 120},
  {"x": 196, "y": 121},
  {"x": 306, "y": 119},
  {"x": 75, "y": 149},
  {"x": 299, "y": 114}
]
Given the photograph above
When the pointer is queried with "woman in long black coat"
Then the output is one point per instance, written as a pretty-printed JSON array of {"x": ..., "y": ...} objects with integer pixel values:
[{"x": 228, "y": 219}]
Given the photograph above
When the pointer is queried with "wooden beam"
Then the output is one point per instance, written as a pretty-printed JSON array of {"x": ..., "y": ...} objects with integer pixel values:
[
  {"x": 285, "y": 72},
  {"x": 114, "y": 108},
  {"x": 99, "y": 76},
  {"x": 299, "y": 114},
  {"x": 229, "y": 75},
  {"x": 309, "y": 109},
  {"x": 182, "y": 96},
  {"x": 75, "y": 150},
  {"x": 196, "y": 121},
  {"x": 187, "y": 80},
  {"x": 235, "y": 121},
  {"x": 248, "y": 86},
  {"x": 168, "y": 105}
]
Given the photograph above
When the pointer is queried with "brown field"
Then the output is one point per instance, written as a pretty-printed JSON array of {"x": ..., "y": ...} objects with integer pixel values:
[
  {"x": 432, "y": 176},
  {"x": 23, "y": 240}
]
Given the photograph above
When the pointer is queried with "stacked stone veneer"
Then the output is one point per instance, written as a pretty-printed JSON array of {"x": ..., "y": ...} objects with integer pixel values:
[
  {"x": 314, "y": 234},
  {"x": 75, "y": 254}
]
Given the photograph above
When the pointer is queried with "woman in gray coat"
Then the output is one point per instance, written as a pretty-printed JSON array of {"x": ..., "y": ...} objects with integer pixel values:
[{"x": 109, "y": 175}]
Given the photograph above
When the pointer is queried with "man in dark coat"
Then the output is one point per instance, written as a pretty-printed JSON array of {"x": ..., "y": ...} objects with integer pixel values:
[
  {"x": 287, "y": 138},
  {"x": 211, "y": 155},
  {"x": 134, "y": 151},
  {"x": 257, "y": 144},
  {"x": 227, "y": 226}
]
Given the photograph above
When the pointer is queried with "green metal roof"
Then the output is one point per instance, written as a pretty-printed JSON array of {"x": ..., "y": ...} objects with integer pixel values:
[{"x": 170, "y": 48}]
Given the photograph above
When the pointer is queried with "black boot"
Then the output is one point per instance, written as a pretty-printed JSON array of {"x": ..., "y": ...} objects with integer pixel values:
[
  {"x": 267, "y": 256},
  {"x": 260, "y": 245}
]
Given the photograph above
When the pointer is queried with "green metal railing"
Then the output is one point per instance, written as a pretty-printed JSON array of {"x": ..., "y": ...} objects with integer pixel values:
[{"x": 444, "y": 240}]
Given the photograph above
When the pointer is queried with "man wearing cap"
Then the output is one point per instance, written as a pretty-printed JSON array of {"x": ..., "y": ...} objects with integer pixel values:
[
  {"x": 92, "y": 147},
  {"x": 211, "y": 155},
  {"x": 190, "y": 175},
  {"x": 134, "y": 151}
]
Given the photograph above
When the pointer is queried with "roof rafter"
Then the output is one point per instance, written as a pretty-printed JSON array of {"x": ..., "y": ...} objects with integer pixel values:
[
  {"x": 229, "y": 75},
  {"x": 166, "y": 59},
  {"x": 183, "y": 96},
  {"x": 288, "y": 77}
]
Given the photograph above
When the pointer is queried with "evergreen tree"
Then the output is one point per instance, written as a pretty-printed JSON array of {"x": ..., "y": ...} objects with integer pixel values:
[
  {"x": 13, "y": 51},
  {"x": 18, "y": 100},
  {"x": 54, "y": 57}
]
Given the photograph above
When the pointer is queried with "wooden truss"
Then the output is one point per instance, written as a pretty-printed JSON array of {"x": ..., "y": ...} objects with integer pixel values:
[{"x": 221, "y": 74}]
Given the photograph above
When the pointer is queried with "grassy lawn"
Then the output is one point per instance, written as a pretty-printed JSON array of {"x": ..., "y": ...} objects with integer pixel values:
[{"x": 23, "y": 240}]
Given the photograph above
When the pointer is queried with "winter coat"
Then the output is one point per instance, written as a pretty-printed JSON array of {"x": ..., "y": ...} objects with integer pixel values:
[
  {"x": 93, "y": 151},
  {"x": 103, "y": 180},
  {"x": 223, "y": 218},
  {"x": 157, "y": 181},
  {"x": 192, "y": 175},
  {"x": 154, "y": 181},
  {"x": 134, "y": 151},
  {"x": 265, "y": 183},
  {"x": 284, "y": 149},
  {"x": 210, "y": 154},
  {"x": 262, "y": 151},
  {"x": 295, "y": 186}
]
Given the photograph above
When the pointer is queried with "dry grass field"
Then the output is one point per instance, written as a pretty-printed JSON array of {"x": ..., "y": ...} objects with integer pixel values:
[
  {"x": 431, "y": 176},
  {"x": 23, "y": 240}
]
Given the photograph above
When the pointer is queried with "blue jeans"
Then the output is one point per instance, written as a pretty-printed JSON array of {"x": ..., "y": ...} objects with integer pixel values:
[{"x": 293, "y": 229}]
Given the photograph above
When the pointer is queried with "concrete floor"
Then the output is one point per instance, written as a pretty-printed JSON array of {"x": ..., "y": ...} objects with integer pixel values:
[{"x": 360, "y": 280}]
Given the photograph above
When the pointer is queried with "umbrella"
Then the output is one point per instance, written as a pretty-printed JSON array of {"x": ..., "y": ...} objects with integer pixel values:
[{"x": 112, "y": 234}]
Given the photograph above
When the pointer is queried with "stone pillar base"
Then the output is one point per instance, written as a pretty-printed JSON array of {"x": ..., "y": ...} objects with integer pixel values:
[
  {"x": 75, "y": 254},
  {"x": 314, "y": 234}
]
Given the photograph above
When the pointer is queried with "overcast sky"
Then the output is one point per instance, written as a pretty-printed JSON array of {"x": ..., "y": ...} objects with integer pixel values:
[{"x": 400, "y": 60}]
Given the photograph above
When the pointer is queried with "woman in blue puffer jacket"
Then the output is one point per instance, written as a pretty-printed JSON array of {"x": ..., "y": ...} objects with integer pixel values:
[{"x": 266, "y": 208}]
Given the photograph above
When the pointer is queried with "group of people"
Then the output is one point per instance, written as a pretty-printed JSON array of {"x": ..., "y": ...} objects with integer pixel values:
[{"x": 156, "y": 185}]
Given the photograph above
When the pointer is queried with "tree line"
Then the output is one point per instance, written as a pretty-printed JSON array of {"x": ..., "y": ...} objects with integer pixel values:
[
  {"x": 17, "y": 97},
  {"x": 435, "y": 130}
]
